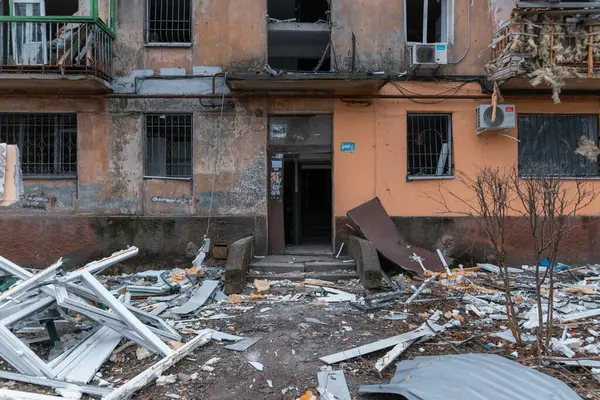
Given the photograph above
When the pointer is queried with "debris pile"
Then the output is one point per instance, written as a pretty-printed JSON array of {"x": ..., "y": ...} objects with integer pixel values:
[
  {"x": 548, "y": 49},
  {"x": 100, "y": 316},
  {"x": 79, "y": 333}
]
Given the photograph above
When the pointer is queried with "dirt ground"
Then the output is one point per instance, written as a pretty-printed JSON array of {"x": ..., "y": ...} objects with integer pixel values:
[
  {"x": 290, "y": 348},
  {"x": 295, "y": 334}
]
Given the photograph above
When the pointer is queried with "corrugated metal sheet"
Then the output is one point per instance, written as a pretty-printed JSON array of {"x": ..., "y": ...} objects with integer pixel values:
[{"x": 470, "y": 377}]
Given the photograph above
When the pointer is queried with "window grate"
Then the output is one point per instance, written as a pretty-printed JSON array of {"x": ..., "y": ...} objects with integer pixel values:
[
  {"x": 168, "y": 21},
  {"x": 47, "y": 142},
  {"x": 429, "y": 145},
  {"x": 169, "y": 145},
  {"x": 549, "y": 141}
]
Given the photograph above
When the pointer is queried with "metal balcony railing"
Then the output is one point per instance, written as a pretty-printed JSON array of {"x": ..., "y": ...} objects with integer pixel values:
[{"x": 68, "y": 46}]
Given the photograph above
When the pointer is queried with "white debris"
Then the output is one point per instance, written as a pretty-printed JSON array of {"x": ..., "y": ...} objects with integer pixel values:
[
  {"x": 142, "y": 353},
  {"x": 257, "y": 365},
  {"x": 166, "y": 380},
  {"x": 69, "y": 393}
]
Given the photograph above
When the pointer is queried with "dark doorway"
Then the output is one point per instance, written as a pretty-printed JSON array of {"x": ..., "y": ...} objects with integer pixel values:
[{"x": 308, "y": 200}]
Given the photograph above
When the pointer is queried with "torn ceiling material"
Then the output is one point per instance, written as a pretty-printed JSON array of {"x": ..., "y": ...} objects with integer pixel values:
[
  {"x": 377, "y": 226},
  {"x": 471, "y": 377}
]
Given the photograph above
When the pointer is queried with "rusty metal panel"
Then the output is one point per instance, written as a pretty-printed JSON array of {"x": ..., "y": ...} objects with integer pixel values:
[{"x": 378, "y": 227}]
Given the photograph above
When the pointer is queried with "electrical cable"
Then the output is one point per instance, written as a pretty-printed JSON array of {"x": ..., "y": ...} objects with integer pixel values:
[{"x": 468, "y": 35}]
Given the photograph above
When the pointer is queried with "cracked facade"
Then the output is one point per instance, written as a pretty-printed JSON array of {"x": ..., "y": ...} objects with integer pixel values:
[{"x": 258, "y": 115}]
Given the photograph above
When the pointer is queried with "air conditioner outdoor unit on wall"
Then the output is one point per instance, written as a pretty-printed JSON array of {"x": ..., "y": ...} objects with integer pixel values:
[
  {"x": 429, "y": 54},
  {"x": 506, "y": 117}
]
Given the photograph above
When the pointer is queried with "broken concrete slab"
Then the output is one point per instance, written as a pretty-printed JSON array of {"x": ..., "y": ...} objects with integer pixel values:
[
  {"x": 239, "y": 258},
  {"x": 333, "y": 386},
  {"x": 243, "y": 344},
  {"x": 377, "y": 226},
  {"x": 368, "y": 267}
]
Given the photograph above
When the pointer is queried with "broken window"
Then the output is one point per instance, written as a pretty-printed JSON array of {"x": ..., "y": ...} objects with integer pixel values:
[
  {"x": 429, "y": 145},
  {"x": 169, "y": 145},
  {"x": 562, "y": 145},
  {"x": 427, "y": 20},
  {"x": 47, "y": 142},
  {"x": 299, "y": 35},
  {"x": 168, "y": 21},
  {"x": 298, "y": 10}
]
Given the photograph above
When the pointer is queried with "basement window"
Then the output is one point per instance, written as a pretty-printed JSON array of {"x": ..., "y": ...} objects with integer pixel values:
[
  {"x": 429, "y": 21},
  {"x": 558, "y": 145},
  {"x": 429, "y": 139},
  {"x": 47, "y": 142},
  {"x": 168, "y": 22},
  {"x": 169, "y": 145}
]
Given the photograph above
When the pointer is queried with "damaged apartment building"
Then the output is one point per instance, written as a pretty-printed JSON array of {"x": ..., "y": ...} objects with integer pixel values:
[{"x": 157, "y": 122}]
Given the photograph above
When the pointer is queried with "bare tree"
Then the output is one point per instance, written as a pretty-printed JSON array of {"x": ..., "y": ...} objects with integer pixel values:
[
  {"x": 546, "y": 200},
  {"x": 489, "y": 207}
]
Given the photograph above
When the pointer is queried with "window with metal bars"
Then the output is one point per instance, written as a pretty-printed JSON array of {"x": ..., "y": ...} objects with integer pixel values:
[
  {"x": 548, "y": 144},
  {"x": 169, "y": 145},
  {"x": 168, "y": 22},
  {"x": 47, "y": 142},
  {"x": 429, "y": 139}
]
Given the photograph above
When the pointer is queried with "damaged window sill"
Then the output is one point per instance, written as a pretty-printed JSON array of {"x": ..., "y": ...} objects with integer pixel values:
[
  {"x": 564, "y": 178},
  {"x": 428, "y": 178},
  {"x": 49, "y": 177},
  {"x": 169, "y": 178},
  {"x": 186, "y": 44}
]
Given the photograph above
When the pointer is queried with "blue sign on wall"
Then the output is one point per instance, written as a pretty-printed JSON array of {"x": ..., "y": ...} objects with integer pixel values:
[{"x": 348, "y": 147}]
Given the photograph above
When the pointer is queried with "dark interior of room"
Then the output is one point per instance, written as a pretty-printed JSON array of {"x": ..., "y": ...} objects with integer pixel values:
[{"x": 307, "y": 212}]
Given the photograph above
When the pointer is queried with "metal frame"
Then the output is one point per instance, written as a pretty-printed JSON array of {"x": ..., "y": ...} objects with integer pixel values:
[
  {"x": 120, "y": 321},
  {"x": 191, "y": 139},
  {"x": 449, "y": 162},
  {"x": 447, "y": 26},
  {"x": 146, "y": 28},
  {"x": 94, "y": 17}
]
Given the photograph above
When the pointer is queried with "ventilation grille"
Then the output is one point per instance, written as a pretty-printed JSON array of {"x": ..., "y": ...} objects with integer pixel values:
[
  {"x": 487, "y": 117},
  {"x": 425, "y": 54}
]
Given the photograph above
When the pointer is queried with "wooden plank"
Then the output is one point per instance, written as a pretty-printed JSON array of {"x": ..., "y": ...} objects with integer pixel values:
[{"x": 418, "y": 333}]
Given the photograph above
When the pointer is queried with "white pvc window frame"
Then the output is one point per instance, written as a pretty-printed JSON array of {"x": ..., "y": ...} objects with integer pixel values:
[{"x": 447, "y": 27}]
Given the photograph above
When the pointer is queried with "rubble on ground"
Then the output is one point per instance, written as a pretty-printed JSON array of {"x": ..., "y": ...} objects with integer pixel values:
[{"x": 175, "y": 334}]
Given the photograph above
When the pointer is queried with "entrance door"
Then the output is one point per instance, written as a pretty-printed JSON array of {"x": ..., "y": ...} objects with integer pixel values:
[
  {"x": 29, "y": 39},
  {"x": 301, "y": 184}
]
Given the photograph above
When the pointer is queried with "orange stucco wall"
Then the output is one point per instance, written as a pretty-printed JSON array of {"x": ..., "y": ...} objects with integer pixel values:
[{"x": 378, "y": 167}]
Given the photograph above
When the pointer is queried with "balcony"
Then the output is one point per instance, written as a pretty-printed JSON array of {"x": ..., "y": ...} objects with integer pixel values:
[
  {"x": 60, "y": 54},
  {"x": 547, "y": 50}
]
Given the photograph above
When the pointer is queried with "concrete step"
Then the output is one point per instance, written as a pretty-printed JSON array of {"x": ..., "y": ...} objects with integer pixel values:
[
  {"x": 278, "y": 267},
  {"x": 309, "y": 266},
  {"x": 298, "y": 276}
]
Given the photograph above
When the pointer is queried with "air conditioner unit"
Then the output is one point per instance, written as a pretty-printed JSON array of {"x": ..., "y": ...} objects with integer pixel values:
[
  {"x": 429, "y": 54},
  {"x": 506, "y": 117}
]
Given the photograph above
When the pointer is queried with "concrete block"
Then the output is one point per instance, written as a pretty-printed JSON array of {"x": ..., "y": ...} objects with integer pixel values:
[
  {"x": 368, "y": 267},
  {"x": 240, "y": 255},
  {"x": 172, "y": 72},
  {"x": 205, "y": 71}
]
